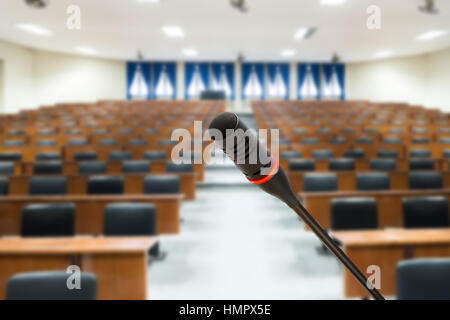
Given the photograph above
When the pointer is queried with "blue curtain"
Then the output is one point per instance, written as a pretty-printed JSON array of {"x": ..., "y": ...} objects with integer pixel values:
[
  {"x": 340, "y": 72},
  {"x": 302, "y": 70},
  {"x": 247, "y": 70},
  {"x": 131, "y": 71},
  {"x": 272, "y": 70},
  {"x": 170, "y": 70},
  {"x": 190, "y": 70},
  {"x": 228, "y": 68}
]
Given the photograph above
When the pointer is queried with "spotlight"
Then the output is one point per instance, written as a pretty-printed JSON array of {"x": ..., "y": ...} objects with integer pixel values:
[
  {"x": 37, "y": 3},
  {"x": 239, "y": 5}
]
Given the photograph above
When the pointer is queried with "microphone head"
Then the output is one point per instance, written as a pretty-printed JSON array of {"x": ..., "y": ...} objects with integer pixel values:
[{"x": 224, "y": 121}]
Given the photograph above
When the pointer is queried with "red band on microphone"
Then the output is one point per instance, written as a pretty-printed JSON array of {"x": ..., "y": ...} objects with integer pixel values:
[{"x": 270, "y": 175}]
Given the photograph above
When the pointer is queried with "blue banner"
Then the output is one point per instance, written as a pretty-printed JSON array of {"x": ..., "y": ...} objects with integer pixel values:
[
  {"x": 223, "y": 78},
  {"x": 164, "y": 80},
  {"x": 278, "y": 86},
  {"x": 138, "y": 80},
  {"x": 253, "y": 84},
  {"x": 334, "y": 81},
  {"x": 308, "y": 81},
  {"x": 196, "y": 79}
]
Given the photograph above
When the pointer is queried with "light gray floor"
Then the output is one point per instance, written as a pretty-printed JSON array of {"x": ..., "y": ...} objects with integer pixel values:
[{"x": 237, "y": 242}]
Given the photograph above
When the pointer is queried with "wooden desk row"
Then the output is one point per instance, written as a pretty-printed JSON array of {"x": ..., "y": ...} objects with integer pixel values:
[
  {"x": 119, "y": 263},
  {"x": 385, "y": 249},
  {"x": 389, "y": 203},
  {"x": 89, "y": 211}
]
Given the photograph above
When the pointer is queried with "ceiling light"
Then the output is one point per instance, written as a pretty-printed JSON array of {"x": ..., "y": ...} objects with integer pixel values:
[
  {"x": 86, "y": 50},
  {"x": 189, "y": 52},
  {"x": 288, "y": 52},
  {"x": 32, "y": 28},
  {"x": 173, "y": 31},
  {"x": 430, "y": 35},
  {"x": 332, "y": 2},
  {"x": 304, "y": 33},
  {"x": 383, "y": 54}
]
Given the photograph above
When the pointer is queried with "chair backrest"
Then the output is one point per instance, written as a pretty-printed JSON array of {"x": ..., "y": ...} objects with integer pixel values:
[
  {"x": 167, "y": 142},
  {"x": 137, "y": 166},
  {"x": 322, "y": 154},
  {"x": 364, "y": 140},
  {"x": 421, "y": 164},
  {"x": 137, "y": 142},
  {"x": 107, "y": 142},
  {"x": 47, "y": 167},
  {"x": 105, "y": 185},
  {"x": 40, "y": 185},
  {"x": 6, "y": 167},
  {"x": 372, "y": 181},
  {"x": 383, "y": 164},
  {"x": 354, "y": 214},
  {"x": 4, "y": 186},
  {"x": 162, "y": 184},
  {"x": 50, "y": 285},
  {"x": 13, "y": 143},
  {"x": 92, "y": 167},
  {"x": 446, "y": 153},
  {"x": 48, "y": 220},
  {"x": 10, "y": 156},
  {"x": 425, "y": 212},
  {"x": 85, "y": 156},
  {"x": 341, "y": 164},
  {"x": 16, "y": 132},
  {"x": 425, "y": 180},
  {"x": 420, "y": 140},
  {"x": 338, "y": 140},
  {"x": 420, "y": 153},
  {"x": 318, "y": 182},
  {"x": 77, "y": 142},
  {"x": 119, "y": 155},
  {"x": 46, "y": 143},
  {"x": 302, "y": 165},
  {"x": 290, "y": 154},
  {"x": 125, "y": 131},
  {"x": 47, "y": 156},
  {"x": 151, "y": 131},
  {"x": 392, "y": 141},
  {"x": 130, "y": 219},
  {"x": 423, "y": 279},
  {"x": 310, "y": 141},
  {"x": 386, "y": 153},
  {"x": 154, "y": 155},
  {"x": 45, "y": 132},
  {"x": 179, "y": 168},
  {"x": 354, "y": 153}
]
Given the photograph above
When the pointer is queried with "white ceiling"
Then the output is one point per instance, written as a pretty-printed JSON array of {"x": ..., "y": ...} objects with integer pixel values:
[{"x": 117, "y": 28}]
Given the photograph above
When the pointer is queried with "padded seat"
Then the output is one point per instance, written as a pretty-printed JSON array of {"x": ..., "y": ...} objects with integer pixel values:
[
  {"x": 420, "y": 140},
  {"x": 423, "y": 279},
  {"x": 322, "y": 154},
  {"x": 425, "y": 180},
  {"x": 92, "y": 167},
  {"x": 10, "y": 156},
  {"x": 125, "y": 131},
  {"x": 137, "y": 142},
  {"x": 119, "y": 155},
  {"x": 341, "y": 164},
  {"x": 77, "y": 142},
  {"x": 48, "y": 220},
  {"x": 46, "y": 143},
  {"x": 13, "y": 143},
  {"x": 47, "y": 167},
  {"x": 99, "y": 131},
  {"x": 138, "y": 166},
  {"x": 302, "y": 165},
  {"x": 444, "y": 140},
  {"x": 179, "y": 168},
  {"x": 47, "y": 186},
  {"x": 383, "y": 164},
  {"x": 347, "y": 130},
  {"x": 354, "y": 153},
  {"x": 420, "y": 153},
  {"x": 298, "y": 130},
  {"x": 72, "y": 131},
  {"x": 45, "y": 132},
  {"x": 85, "y": 156},
  {"x": 167, "y": 142},
  {"x": 387, "y": 153},
  {"x": 154, "y": 155},
  {"x": 105, "y": 185},
  {"x": 130, "y": 219},
  {"x": 50, "y": 285},
  {"x": 4, "y": 186},
  {"x": 107, "y": 142},
  {"x": 291, "y": 154},
  {"x": 162, "y": 184},
  {"x": 446, "y": 153},
  {"x": 48, "y": 156},
  {"x": 372, "y": 181},
  {"x": 16, "y": 132},
  {"x": 354, "y": 214},
  {"x": 310, "y": 141},
  {"x": 151, "y": 131},
  {"x": 6, "y": 167},
  {"x": 425, "y": 212},
  {"x": 338, "y": 140},
  {"x": 364, "y": 140},
  {"x": 284, "y": 141},
  {"x": 392, "y": 141},
  {"x": 318, "y": 182},
  {"x": 421, "y": 164}
]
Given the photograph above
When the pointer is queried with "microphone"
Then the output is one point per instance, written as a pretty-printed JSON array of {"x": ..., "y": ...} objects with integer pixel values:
[{"x": 262, "y": 169}]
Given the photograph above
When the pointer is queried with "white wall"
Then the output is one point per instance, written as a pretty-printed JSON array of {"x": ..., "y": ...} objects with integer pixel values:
[
  {"x": 1, "y": 85},
  {"x": 419, "y": 80}
]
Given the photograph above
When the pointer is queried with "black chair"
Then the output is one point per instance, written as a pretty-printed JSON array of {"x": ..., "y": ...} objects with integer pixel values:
[
  {"x": 354, "y": 214},
  {"x": 322, "y": 154},
  {"x": 107, "y": 142},
  {"x": 77, "y": 142},
  {"x": 338, "y": 140},
  {"x": 423, "y": 279},
  {"x": 318, "y": 182},
  {"x": 105, "y": 185},
  {"x": 85, "y": 156},
  {"x": 48, "y": 220},
  {"x": 420, "y": 140},
  {"x": 50, "y": 285},
  {"x": 425, "y": 180},
  {"x": 47, "y": 186},
  {"x": 130, "y": 219},
  {"x": 46, "y": 143},
  {"x": 137, "y": 142},
  {"x": 364, "y": 140},
  {"x": 341, "y": 164},
  {"x": 119, "y": 155},
  {"x": 4, "y": 186},
  {"x": 154, "y": 155},
  {"x": 6, "y": 167},
  {"x": 310, "y": 140},
  {"x": 354, "y": 153},
  {"x": 13, "y": 143},
  {"x": 290, "y": 154},
  {"x": 387, "y": 153},
  {"x": 421, "y": 164},
  {"x": 47, "y": 167},
  {"x": 392, "y": 141},
  {"x": 425, "y": 212},
  {"x": 372, "y": 181},
  {"x": 10, "y": 156},
  {"x": 420, "y": 153},
  {"x": 92, "y": 167},
  {"x": 302, "y": 165},
  {"x": 446, "y": 154},
  {"x": 179, "y": 168},
  {"x": 47, "y": 156},
  {"x": 162, "y": 184},
  {"x": 383, "y": 164},
  {"x": 213, "y": 95},
  {"x": 137, "y": 166}
]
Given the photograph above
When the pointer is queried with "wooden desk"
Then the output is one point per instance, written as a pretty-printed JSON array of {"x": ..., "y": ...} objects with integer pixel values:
[
  {"x": 386, "y": 248},
  {"x": 120, "y": 263},
  {"x": 89, "y": 211},
  {"x": 389, "y": 203}
]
